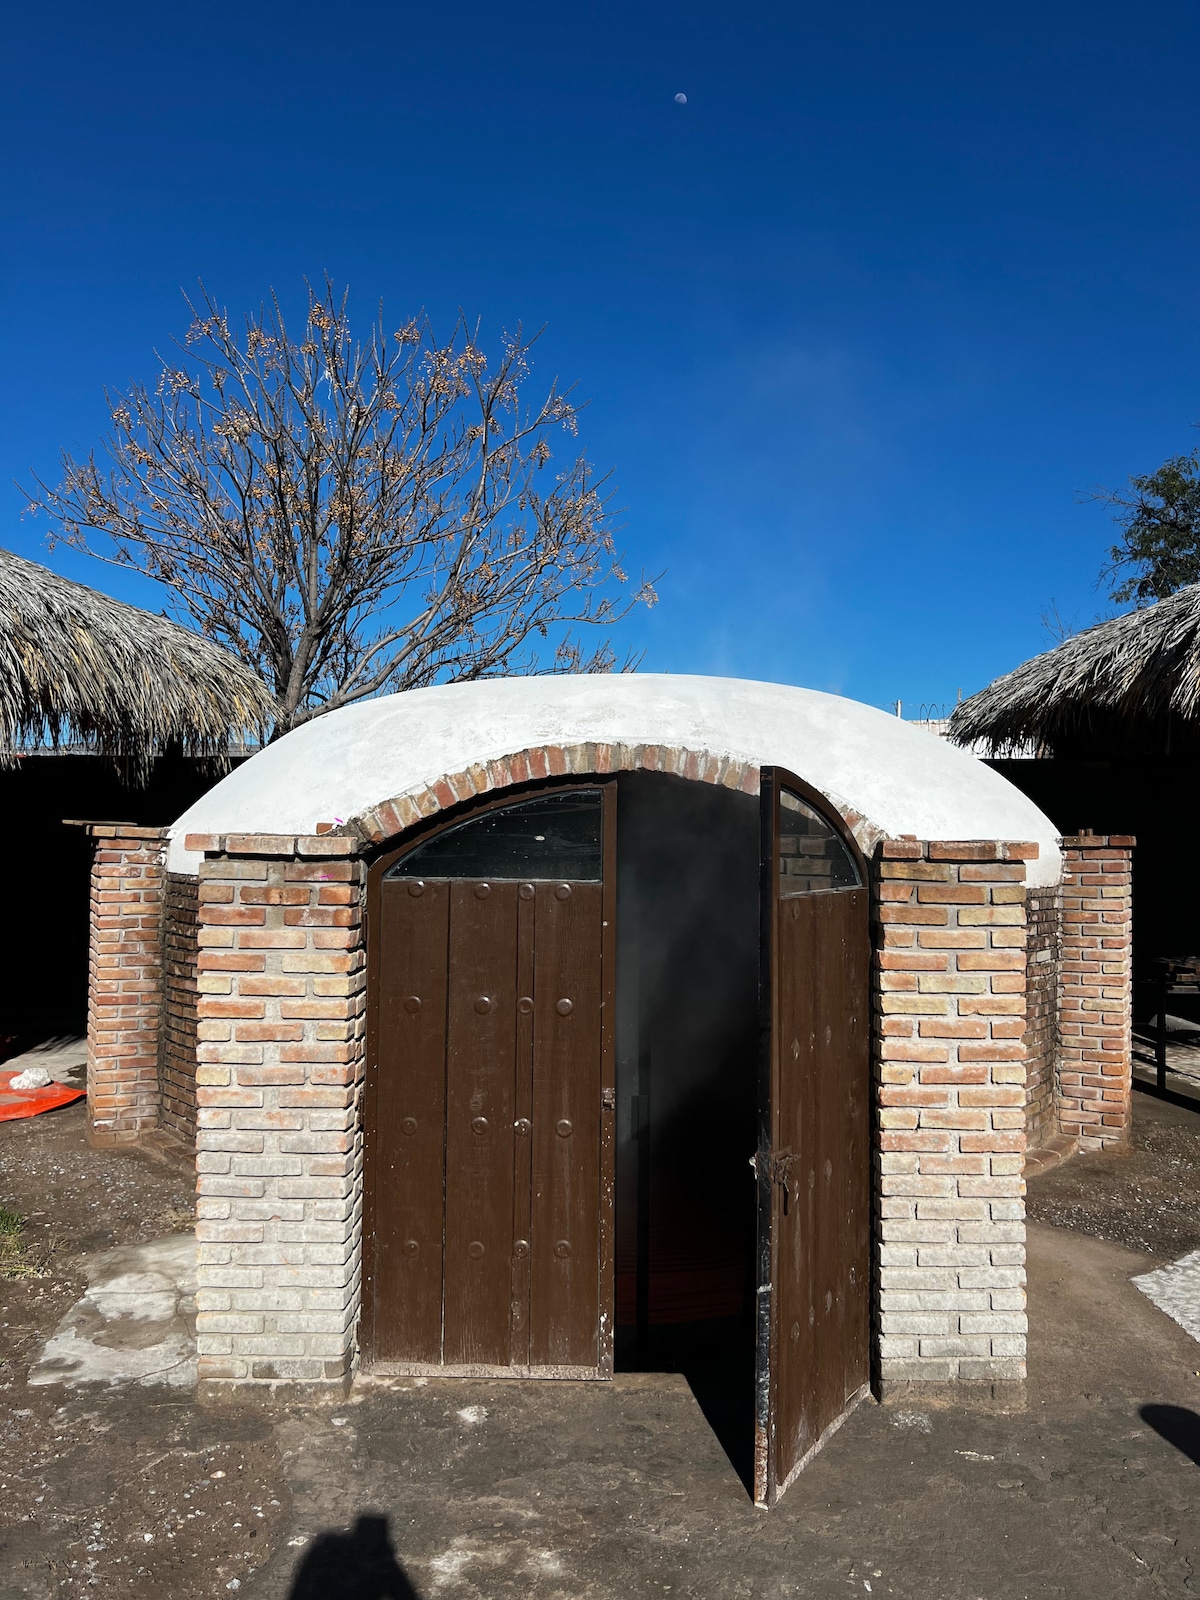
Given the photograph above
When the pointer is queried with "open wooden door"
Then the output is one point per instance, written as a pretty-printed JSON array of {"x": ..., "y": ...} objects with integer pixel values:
[{"x": 813, "y": 1160}]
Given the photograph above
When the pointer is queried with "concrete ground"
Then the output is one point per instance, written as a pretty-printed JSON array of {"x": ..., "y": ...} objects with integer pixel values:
[
  {"x": 1147, "y": 1198},
  {"x": 459, "y": 1489}
]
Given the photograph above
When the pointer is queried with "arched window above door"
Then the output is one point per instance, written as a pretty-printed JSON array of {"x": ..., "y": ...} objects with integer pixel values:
[
  {"x": 813, "y": 858},
  {"x": 553, "y": 836}
]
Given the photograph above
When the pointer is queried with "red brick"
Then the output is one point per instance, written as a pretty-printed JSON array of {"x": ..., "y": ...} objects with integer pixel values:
[
  {"x": 959, "y": 850},
  {"x": 321, "y": 871},
  {"x": 251, "y": 984},
  {"x": 954, "y": 1074},
  {"x": 949, "y": 1028},
  {"x": 910, "y": 1095},
  {"x": 912, "y": 961},
  {"x": 962, "y": 894},
  {"x": 900, "y": 850},
  {"x": 954, "y": 939},
  {"x": 211, "y": 1006},
  {"x": 932, "y": 916},
  {"x": 230, "y": 961},
  {"x": 993, "y": 1143},
  {"x": 991, "y": 872},
  {"x": 313, "y": 1052}
]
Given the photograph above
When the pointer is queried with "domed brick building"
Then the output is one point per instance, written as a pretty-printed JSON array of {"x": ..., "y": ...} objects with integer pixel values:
[{"x": 554, "y": 1026}]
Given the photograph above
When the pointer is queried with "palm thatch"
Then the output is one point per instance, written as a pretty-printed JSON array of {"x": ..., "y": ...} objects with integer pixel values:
[
  {"x": 1125, "y": 684},
  {"x": 77, "y": 667}
]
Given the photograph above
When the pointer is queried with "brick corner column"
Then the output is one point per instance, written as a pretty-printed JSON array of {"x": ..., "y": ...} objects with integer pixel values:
[
  {"x": 950, "y": 1054},
  {"x": 124, "y": 981},
  {"x": 1095, "y": 1061},
  {"x": 280, "y": 1059}
]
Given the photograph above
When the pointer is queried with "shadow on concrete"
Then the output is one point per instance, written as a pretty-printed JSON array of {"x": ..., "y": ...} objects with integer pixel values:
[
  {"x": 1177, "y": 1425},
  {"x": 358, "y": 1565},
  {"x": 1188, "y": 1102},
  {"x": 716, "y": 1360},
  {"x": 724, "y": 1391}
]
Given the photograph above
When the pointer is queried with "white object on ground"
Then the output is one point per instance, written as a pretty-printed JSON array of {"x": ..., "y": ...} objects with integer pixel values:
[
  {"x": 135, "y": 1324},
  {"x": 1175, "y": 1289},
  {"x": 31, "y": 1078},
  {"x": 64, "y": 1059}
]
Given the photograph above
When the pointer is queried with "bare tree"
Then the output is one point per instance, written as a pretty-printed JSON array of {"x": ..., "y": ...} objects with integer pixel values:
[{"x": 353, "y": 517}]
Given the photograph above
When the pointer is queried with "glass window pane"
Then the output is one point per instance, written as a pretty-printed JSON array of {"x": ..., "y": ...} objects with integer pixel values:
[
  {"x": 554, "y": 836},
  {"x": 812, "y": 857}
]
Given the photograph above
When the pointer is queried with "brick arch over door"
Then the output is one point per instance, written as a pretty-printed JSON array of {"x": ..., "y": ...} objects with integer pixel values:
[{"x": 396, "y": 816}]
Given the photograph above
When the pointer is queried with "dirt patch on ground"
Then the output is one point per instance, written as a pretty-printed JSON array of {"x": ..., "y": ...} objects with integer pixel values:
[
  {"x": 458, "y": 1490},
  {"x": 1146, "y": 1198},
  {"x": 128, "y": 1490}
]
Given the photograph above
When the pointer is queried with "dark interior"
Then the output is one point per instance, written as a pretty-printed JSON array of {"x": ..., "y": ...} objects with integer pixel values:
[
  {"x": 687, "y": 1097},
  {"x": 1134, "y": 795},
  {"x": 45, "y": 947}
]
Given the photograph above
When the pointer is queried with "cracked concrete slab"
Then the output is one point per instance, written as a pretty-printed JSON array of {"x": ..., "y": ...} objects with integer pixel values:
[
  {"x": 135, "y": 1324},
  {"x": 1175, "y": 1289}
]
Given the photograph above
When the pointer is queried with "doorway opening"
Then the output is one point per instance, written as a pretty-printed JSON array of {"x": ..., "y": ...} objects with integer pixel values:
[
  {"x": 618, "y": 1102},
  {"x": 687, "y": 1077}
]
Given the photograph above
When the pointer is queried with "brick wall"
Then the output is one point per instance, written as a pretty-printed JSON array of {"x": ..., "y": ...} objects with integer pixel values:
[
  {"x": 1043, "y": 911},
  {"x": 950, "y": 970},
  {"x": 281, "y": 980},
  {"x": 124, "y": 981},
  {"x": 279, "y": 1077},
  {"x": 177, "y": 1037},
  {"x": 1095, "y": 1070}
]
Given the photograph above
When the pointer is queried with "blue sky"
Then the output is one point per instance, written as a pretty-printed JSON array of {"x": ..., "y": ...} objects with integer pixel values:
[{"x": 857, "y": 323}]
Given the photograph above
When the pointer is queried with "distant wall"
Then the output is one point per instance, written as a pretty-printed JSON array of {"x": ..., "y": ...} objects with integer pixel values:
[
  {"x": 1095, "y": 1044},
  {"x": 45, "y": 950},
  {"x": 1149, "y": 798}
]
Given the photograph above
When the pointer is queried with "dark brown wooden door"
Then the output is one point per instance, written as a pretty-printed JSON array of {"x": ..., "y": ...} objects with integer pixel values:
[
  {"x": 488, "y": 1139},
  {"x": 813, "y": 1161}
]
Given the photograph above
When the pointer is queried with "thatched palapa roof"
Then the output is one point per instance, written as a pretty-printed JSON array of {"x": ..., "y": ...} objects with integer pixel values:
[
  {"x": 78, "y": 667},
  {"x": 1121, "y": 682}
]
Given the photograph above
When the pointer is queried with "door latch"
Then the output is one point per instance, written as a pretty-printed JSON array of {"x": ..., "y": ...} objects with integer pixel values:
[{"x": 778, "y": 1169}]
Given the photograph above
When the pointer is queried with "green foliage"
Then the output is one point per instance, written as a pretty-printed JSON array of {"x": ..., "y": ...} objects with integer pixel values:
[
  {"x": 1161, "y": 539},
  {"x": 12, "y": 1226},
  {"x": 17, "y": 1259}
]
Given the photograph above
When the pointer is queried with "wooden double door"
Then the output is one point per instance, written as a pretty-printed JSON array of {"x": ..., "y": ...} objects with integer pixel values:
[{"x": 491, "y": 1112}]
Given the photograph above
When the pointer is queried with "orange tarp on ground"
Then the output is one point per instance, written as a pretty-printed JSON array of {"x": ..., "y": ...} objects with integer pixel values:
[{"x": 28, "y": 1102}]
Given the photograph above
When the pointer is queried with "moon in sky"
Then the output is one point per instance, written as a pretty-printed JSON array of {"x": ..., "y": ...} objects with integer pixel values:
[{"x": 681, "y": 99}]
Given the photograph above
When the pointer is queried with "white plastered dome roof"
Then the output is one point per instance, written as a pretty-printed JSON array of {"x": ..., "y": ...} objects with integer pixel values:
[{"x": 900, "y": 779}]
